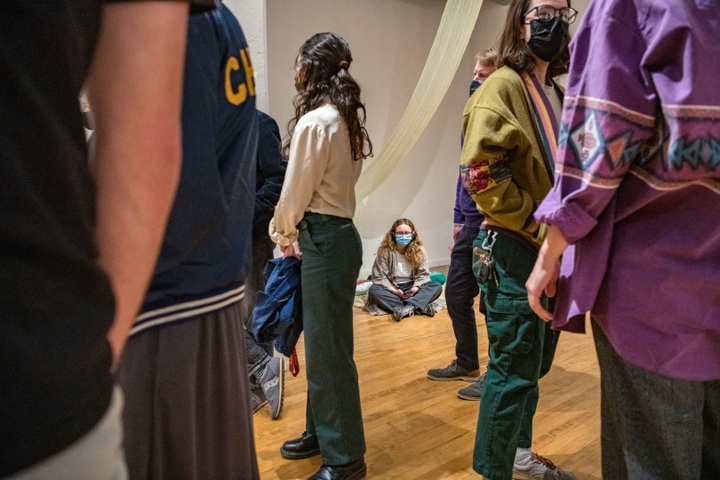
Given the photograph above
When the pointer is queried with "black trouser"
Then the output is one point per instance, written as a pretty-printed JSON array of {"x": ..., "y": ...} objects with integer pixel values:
[{"x": 460, "y": 292}]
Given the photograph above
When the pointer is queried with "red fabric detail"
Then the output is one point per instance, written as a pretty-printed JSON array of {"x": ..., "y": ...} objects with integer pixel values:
[
  {"x": 294, "y": 364},
  {"x": 476, "y": 176}
]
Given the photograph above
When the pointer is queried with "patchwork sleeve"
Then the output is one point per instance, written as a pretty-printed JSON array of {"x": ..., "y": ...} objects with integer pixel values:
[
  {"x": 608, "y": 121},
  {"x": 492, "y": 139}
]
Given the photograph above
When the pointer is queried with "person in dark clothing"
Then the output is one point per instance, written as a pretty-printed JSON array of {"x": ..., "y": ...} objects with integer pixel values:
[
  {"x": 268, "y": 184},
  {"x": 78, "y": 245},
  {"x": 462, "y": 287},
  {"x": 267, "y": 380},
  {"x": 188, "y": 413}
]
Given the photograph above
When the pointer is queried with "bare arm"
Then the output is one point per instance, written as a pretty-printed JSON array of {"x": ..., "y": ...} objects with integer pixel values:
[{"x": 135, "y": 87}]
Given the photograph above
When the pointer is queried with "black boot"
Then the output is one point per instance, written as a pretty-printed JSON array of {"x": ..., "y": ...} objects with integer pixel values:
[
  {"x": 350, "y": 471},
  {"x": 304, "y": 447}
]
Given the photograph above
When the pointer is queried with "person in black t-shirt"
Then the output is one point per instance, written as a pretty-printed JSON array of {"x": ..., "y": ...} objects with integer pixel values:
[{"x": 77, "y": 247}]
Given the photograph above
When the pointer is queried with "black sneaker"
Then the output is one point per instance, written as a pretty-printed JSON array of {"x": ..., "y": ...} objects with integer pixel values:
[
  {"x": 430, "y": 310},
  {"x": 474, "y": 391},
  {"x": 453, "y": 372}
]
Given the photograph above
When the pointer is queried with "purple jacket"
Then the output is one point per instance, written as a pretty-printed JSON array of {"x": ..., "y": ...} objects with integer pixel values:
[
  {"x": 637, "y": 189},
  {"x": 465, "y": 210}
]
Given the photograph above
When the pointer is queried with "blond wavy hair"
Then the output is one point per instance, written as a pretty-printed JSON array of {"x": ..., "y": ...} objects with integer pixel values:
[{"x": 413, "y": 251}]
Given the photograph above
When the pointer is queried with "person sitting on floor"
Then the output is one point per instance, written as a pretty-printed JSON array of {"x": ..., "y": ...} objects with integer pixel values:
[{"x": 400, "y": 274}]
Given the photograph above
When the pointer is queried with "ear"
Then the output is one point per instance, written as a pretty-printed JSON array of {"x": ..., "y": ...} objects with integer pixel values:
[
  {"x": 392, "y": 234},
  {"x": 414, "y": 236}
]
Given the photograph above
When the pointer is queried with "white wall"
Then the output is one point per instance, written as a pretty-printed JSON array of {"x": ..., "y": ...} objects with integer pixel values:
[
  {"x": 390, "y": 41},
  {"x": 253, "y": 19}
]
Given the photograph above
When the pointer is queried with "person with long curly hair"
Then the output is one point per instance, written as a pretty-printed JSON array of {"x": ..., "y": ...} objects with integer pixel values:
[
  {"x": 400, "y": 274},
  {"x": 313, "y": 221}
]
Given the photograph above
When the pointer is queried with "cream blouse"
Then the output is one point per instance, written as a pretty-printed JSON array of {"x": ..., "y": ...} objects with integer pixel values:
[{"x": 321, "y": 173}]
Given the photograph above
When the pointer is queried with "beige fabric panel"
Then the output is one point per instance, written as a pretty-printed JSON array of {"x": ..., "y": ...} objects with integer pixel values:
[{"x": 451, "y": 41}]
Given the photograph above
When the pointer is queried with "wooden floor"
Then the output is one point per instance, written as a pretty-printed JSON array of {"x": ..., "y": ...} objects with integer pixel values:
[{"x": 416, "y": 428}]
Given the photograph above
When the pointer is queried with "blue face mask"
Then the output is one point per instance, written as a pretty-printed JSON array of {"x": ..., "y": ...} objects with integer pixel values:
[{"x": 404, "y": 239}]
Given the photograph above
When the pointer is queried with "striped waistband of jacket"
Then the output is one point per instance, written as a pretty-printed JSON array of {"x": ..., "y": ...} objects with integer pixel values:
[{"x": 176, "y": 312}]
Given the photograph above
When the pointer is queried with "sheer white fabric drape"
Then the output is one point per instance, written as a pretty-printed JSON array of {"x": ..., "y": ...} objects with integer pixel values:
[{"x": 451, "y": 41}]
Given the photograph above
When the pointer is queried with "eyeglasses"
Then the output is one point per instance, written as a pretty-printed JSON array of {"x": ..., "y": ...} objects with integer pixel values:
[{"x": 548, "y": 12}]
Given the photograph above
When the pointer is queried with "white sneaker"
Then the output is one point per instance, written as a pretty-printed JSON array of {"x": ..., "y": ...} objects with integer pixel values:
[{"x": 540, "y": 468}]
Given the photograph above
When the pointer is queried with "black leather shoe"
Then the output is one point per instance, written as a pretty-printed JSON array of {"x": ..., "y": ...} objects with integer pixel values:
[
  {"x": 304, "y": 447},
  {"x": 350, "y": 471}
]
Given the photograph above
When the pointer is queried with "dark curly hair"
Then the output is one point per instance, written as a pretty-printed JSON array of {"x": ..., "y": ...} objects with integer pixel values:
[
  {"x": 322, "y": 72},
  {"x": 513, "y": 50}
]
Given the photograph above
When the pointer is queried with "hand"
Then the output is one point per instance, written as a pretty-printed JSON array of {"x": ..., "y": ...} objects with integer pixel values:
[
  {"x": 546, "y": 272},
  {"x": 410, "y": 293},
  {"x": 398, "y": 292},
  {"x": 457, "y": 228},
  {"x": 292, "y": 250},
  {"x": 543, "y": 278}
]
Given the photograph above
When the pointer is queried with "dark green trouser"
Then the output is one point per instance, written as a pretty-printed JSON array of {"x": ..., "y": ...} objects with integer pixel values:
[
  {"x": 522, "y": 347},
  {"x": 332, "y": 256}
]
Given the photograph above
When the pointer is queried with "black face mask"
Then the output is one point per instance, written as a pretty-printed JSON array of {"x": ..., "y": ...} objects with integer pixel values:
[
  {"x": 474, "y": 85},
  {"x": 548, "y": 38}
]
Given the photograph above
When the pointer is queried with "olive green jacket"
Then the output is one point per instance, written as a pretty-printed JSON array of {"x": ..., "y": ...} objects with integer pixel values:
[{"x": 504, "y": 165}]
